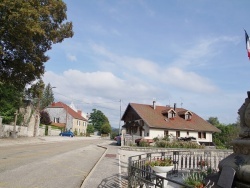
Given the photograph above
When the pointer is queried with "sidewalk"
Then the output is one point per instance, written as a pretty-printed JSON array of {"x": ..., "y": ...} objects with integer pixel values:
[
  {"x": 111, "y": 169},
  {"x": 106, "y": 172}
]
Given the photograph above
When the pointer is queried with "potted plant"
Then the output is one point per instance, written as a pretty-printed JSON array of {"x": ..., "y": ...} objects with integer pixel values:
[
  {"x": 194, "y": 180},
  {"x": 160, "y": 165},
  {"x": 203, "y": 163}
]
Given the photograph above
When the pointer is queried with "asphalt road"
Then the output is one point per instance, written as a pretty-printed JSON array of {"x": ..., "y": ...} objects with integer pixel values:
[{"x": 48, "y": 165}]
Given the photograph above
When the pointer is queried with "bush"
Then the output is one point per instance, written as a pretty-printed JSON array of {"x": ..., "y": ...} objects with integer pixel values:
[
  {"x": 178, "y": 144},
  {"x": 143, "y": 143},
  {"x": 75, "y": 132},
  {"x": 166, "y": 138},
  {"x": 156, "y": 139},
  {"x": 113, "y": 135}
]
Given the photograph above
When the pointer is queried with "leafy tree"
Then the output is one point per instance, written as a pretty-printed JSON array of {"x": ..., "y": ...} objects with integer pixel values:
[
  {"x": 228, "y": 133},
  {"x": 47, "y": 97},
  {"x": 90, "y": 128},
  {"x": 10, "y": 101},
  {"x": 45, "y": 118},
  {"x": 105, "y": 128},
  {"x": 27, "y": 31},
  {"x": 35, "y": 93},
  {"x": 214, "y": 121},
  {"x": 97, "y": 119}
]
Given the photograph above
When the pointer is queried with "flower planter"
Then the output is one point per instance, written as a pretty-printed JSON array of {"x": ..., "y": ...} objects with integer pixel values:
[{"x": 161, "y": 169}]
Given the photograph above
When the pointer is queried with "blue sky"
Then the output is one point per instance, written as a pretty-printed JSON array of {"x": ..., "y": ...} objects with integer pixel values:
[{"x": 188, "y": 52}]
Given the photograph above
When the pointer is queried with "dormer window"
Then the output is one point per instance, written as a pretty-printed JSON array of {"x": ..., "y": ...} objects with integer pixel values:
[
  {"x": 170, "y": 114},
  {"x": 187, "y": 115}
]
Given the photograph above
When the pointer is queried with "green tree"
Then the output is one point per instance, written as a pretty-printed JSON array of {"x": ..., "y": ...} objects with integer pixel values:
[
  {"x": 90, "y": 128},
  {"x": 27, "y": 31},
  {"x": 35, "y": 93},
  {"x": 47, "y": 97},
  {"x": 228, "y": 133},
  {"x": 10, "y": 101},
  {"x": 97, "y": 119},
  {"x": 105, "y": 128},
  {"x": 214, "y": 121}
]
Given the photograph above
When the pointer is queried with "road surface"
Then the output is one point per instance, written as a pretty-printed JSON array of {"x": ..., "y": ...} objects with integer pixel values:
[{"x": 48, "y": 165}]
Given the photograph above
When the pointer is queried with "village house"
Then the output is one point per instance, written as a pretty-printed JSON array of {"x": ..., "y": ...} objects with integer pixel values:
[
  {"x": 150, "y": 121},
  {"x": 62, "y": 115}
]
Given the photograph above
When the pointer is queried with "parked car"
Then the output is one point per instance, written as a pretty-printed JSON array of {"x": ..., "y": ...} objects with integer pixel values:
[
  {"x": 67, "y": 133},
  {"x": 118, "y": 140},
  {"x": 125, "y": 137}
]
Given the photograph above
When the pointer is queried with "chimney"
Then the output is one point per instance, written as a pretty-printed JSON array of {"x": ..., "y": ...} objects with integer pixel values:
[
  {"x": 174, "y": 106},
  {"x": 79, "y": 112},
  {"x": 154, "y": 105}
]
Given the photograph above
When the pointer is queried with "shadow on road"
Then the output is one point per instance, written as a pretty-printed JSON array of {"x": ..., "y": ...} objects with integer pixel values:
[{"x": 114, "y": 181}]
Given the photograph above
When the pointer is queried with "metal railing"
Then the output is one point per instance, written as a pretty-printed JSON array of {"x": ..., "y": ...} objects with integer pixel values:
[{"x": 141, "y": 175}]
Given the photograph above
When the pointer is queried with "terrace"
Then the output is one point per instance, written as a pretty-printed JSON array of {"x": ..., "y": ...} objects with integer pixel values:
[{"x": 184, "y": 163}]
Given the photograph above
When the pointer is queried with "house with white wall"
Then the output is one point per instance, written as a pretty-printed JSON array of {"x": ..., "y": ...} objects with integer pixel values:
[
  {"x": 150, "y": 121},
  {"x": 63, "y": 115}
]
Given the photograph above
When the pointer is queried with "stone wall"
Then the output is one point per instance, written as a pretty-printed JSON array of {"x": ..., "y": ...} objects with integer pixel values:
[{"x": 25, "y": 132}]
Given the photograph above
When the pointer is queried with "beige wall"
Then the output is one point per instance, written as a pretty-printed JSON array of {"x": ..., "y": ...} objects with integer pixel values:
[{"x": 80, "y": 126}]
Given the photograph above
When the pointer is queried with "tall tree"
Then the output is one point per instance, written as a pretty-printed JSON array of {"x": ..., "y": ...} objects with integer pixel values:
[
  {"x": 27, "y": 31},
  {"x": 10, "y": 101},
  {"x": 97, "y": 119},
  {"x": 214, "y": 121},
  {"x": 228, "y": 133},
  {"x": 47, "y": 97}
]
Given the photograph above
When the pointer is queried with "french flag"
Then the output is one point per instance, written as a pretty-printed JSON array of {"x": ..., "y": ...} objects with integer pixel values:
[{"x": 247, "y": 44}]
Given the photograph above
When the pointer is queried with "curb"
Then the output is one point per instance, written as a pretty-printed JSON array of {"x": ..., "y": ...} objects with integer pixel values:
[{"x": 92, "y": 170}]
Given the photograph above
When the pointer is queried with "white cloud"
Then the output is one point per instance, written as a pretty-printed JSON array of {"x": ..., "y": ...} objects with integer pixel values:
[
  {"x": 71, "y": 57},
  {"x": 149, "y": 70}
]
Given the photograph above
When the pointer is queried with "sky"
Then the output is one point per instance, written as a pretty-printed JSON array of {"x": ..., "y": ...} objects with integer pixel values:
[{"x": 188, "y": 52}]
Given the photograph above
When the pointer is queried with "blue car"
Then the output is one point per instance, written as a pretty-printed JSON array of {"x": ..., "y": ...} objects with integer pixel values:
[{"x": 68, "y": 133}]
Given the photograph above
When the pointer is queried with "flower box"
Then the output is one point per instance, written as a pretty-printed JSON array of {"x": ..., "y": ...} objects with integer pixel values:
[{"x": 161, "y": 169}]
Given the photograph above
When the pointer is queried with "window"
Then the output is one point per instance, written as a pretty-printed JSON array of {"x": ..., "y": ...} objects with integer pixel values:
[
  {"x": 202, "y": 135},
  {"x": 178, "y": 134},
  {"x": 56, "y": 120},
  {"x": 165, "y": 133},
  {"x": 187, "y": 133},
  {"x": 199, "y": 134},
  {"x": 171, "y": 115}
]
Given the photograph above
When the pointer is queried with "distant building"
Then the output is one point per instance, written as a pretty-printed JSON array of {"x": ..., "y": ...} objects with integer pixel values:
[{"x": 64, "y": 116}]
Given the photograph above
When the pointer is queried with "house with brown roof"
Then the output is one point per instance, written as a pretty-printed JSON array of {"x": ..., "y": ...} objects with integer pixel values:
[
  {"x": 150, "y": 121},
  {"x": 63, "y": 116}
]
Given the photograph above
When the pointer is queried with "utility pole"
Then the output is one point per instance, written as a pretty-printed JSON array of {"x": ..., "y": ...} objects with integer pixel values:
[{"x": 120, "y": 117}]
